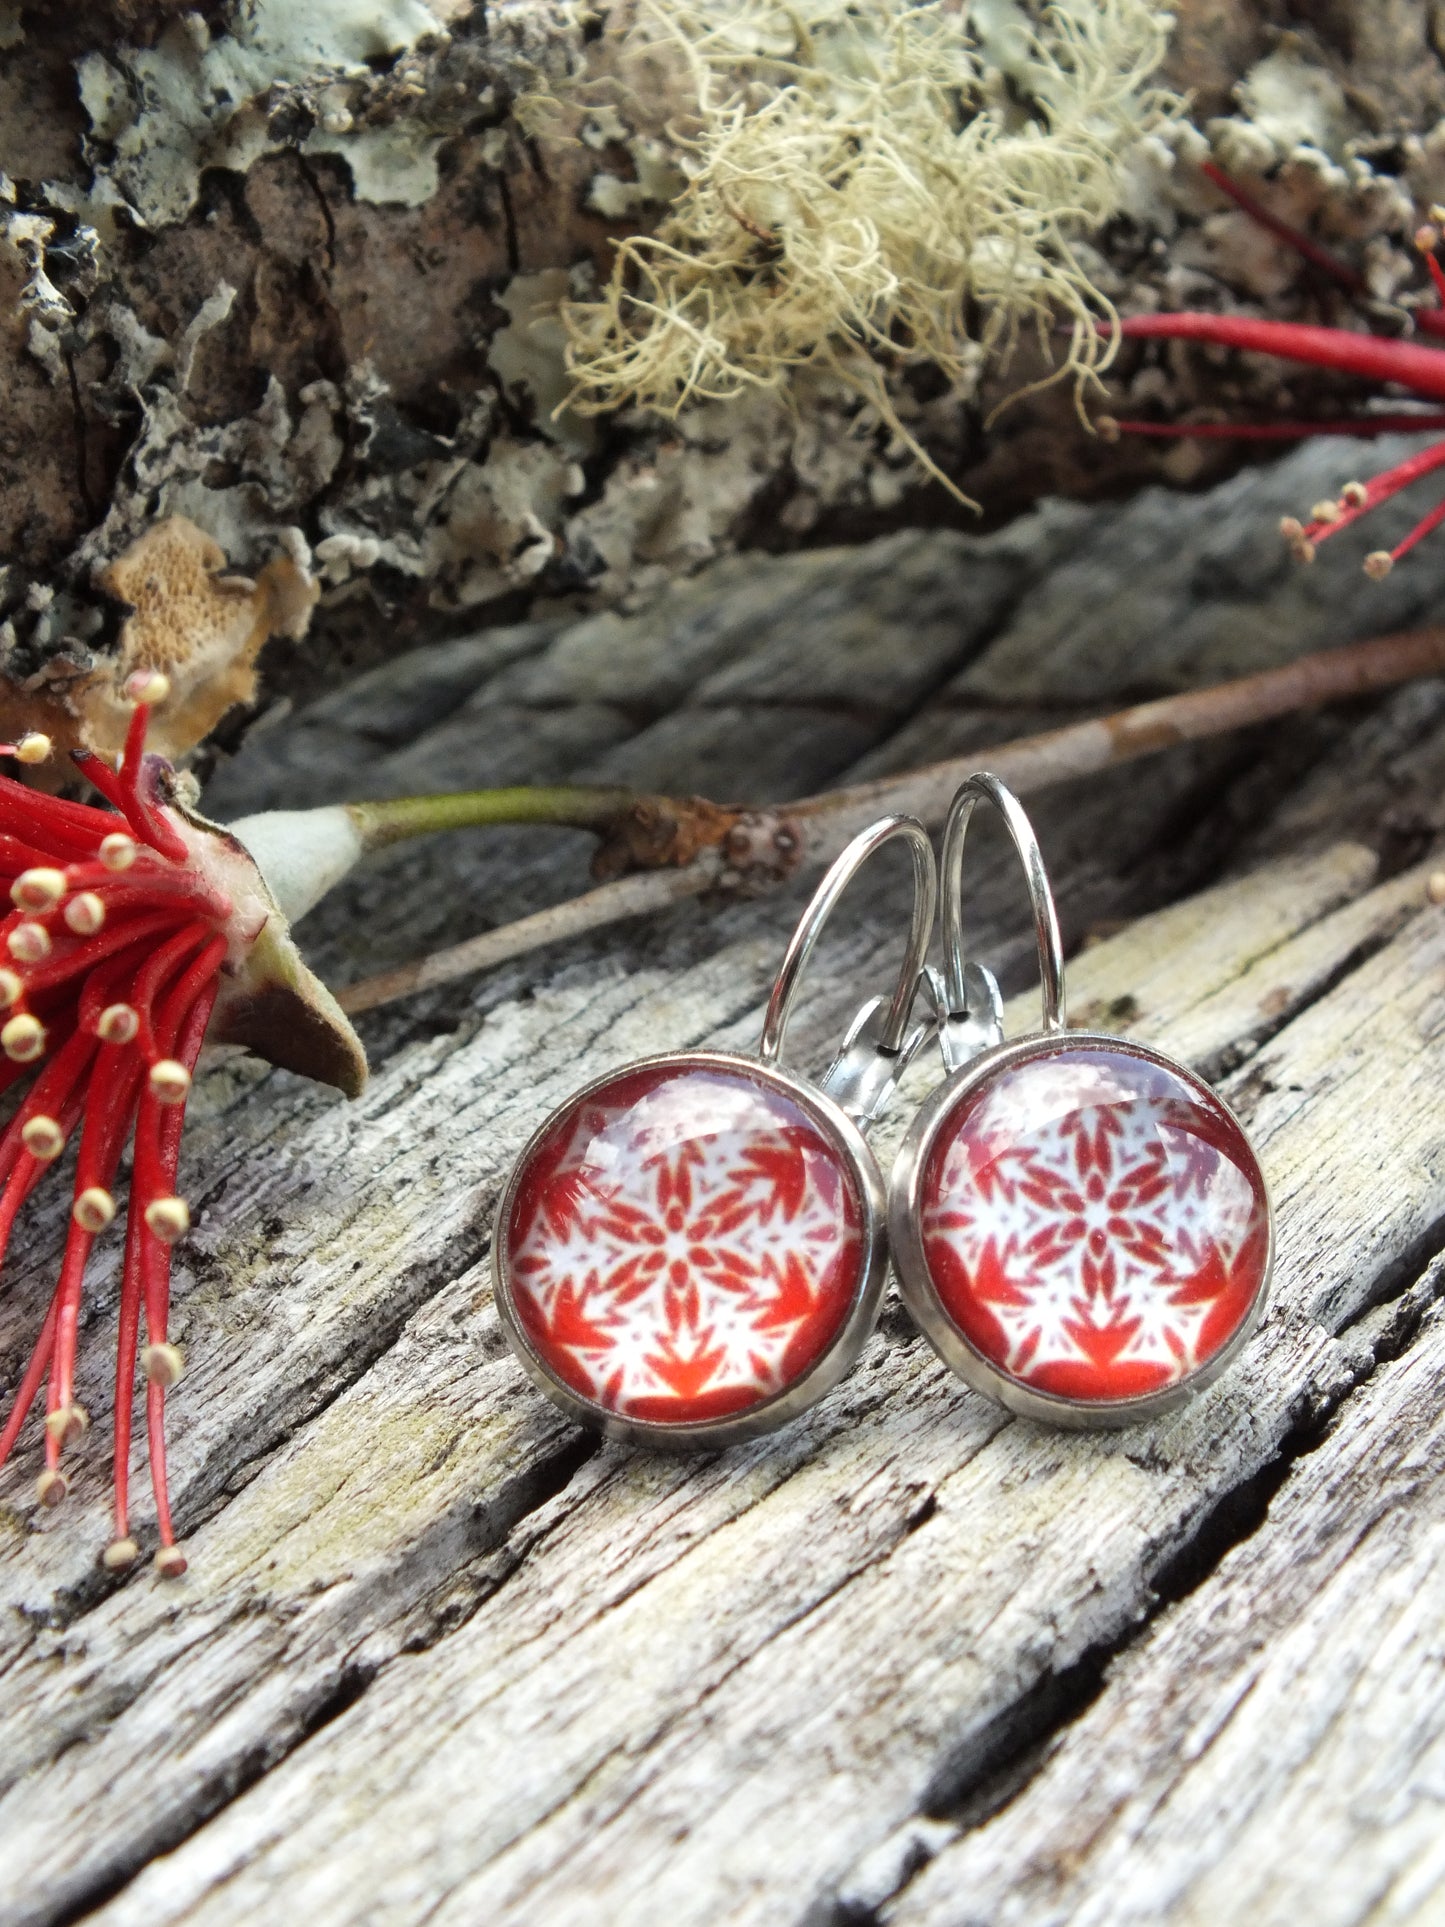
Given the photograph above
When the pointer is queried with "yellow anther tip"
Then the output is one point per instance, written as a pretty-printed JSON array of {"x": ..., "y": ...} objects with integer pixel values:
[
  {"x": 118, "y": 851},
  {"x": 170, "y": 1081},
  {"x": 29, "y": 943},
  {"x": 168, "y": 1218},
  {"x": 147, "y": 687},
  {"x": 23, "y": 1038},
  {"x": 42, "y": 1137},
  {"x": 161, "y": 1365},
  {"x": 84, "y": 914},
  {"x": 38, "y": 889},
  {"x": 94, "y": 1209},
  {"x": 67, "y": 1423},
  {"x": 117, "y": 1024}
]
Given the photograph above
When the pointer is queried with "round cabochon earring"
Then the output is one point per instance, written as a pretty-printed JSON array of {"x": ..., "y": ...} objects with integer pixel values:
[
  {"x": 691, "y": 1251},
  {"x": 1079, "y": 1223}
]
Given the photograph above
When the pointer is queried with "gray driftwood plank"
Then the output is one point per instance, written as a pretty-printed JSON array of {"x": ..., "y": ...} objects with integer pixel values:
[
  {"x": 363, "y": 1543},
  {"x": 595, "y": 1684},
  {"x": 600, "y": 1738},
  {"x": 1274, "y": 1751}
]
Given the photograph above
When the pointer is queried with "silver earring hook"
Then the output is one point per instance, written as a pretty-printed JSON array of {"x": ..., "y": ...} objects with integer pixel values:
[
  {"x": 878, "y": 1046},
  {"x": 973, "y": 1001}
]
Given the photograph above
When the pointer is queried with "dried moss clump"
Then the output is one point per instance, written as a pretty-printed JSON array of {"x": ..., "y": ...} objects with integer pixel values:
[{"x": 871, "y": 183}]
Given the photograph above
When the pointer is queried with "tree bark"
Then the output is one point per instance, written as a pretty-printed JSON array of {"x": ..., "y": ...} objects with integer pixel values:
[{"x": 321, "y": 318}]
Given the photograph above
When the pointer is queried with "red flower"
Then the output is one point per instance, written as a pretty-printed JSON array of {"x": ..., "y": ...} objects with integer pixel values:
[
  {"x": 135, "y": 932},
  {"x": 1407, "y": 364}
]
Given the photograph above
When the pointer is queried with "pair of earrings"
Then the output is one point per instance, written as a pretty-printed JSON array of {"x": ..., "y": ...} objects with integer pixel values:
[{"x": 692, "y": 1251}]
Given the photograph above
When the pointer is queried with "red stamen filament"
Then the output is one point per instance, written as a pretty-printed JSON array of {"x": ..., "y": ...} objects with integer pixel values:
[
  {"x": 1430, "y": 321},
  {"x": 1409, "y": 364},
  {"x": 1382, "y": 561},
  {"x": 1303, "y": 244},
  {"x": 1364, "y": 426},
  {"x": 141, "y": 948},
  {"x": 1361, "y": 498}
]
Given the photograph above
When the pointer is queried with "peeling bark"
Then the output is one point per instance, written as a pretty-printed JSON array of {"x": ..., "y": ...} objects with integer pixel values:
[{"x": 330, "y": 317}]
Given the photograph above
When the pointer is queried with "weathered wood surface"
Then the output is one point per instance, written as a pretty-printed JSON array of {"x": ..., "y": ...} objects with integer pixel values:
[
  {"x": 1277, "y": 1739},
  {"x": 441, "y": 1657}
]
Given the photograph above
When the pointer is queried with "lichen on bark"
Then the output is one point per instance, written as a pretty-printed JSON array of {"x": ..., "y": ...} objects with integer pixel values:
[
  {"x": 870, "y": 186},
  {"x": 322, "y": 318}
]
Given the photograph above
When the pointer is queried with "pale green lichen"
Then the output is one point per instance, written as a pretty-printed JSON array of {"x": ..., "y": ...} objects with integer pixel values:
[
  {"x": 1291, "y": 102},
  {"x": 528, "y": 356},
  {"x": 193, "y": 101},
  {"x": 871, "y": 183}
]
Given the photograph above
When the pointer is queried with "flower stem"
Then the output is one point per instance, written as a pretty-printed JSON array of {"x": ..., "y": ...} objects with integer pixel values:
[
  {"x": 303, "y": 854},
  {"x": 576, "y": 806},
  {"x": 817, "y": 827},
  {"x": 637, "y": 831}
]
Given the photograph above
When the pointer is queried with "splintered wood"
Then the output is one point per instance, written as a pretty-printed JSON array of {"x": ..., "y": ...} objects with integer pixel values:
[{"x": 441, "y": 1656}]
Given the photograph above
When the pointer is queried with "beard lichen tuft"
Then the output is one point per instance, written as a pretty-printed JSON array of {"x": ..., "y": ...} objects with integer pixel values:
[{"x": 871, "y": 184}]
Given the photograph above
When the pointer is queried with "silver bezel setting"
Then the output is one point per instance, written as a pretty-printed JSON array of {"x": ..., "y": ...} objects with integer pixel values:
[
  {"x": 792, "y": 1400},
  {"x": 921, "y": 1297}
]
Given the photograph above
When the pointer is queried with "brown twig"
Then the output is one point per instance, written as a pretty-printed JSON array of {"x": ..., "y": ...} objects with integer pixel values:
[
  {"x": 814, "y": 830},
  {"x": 635, "y": 831},
  {"x": 631, "y": 896}
]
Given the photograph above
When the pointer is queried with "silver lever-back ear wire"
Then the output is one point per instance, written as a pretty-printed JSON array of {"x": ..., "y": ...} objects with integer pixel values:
[
  {"x": 963, "y": 998},
  {"x": 889, "y": 1038}
]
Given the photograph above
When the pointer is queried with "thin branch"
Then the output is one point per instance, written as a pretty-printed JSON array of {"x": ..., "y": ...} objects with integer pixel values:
[
  {"x": 632, "y": 896},
  {"x": 814, "y": 830},
  {"x": 637, "y": 831},
  {"x": 1079, "y": 749}
]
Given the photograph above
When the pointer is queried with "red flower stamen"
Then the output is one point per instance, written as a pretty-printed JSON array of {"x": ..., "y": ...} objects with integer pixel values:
[
  {"x": 1359, "y": 498},
  {"x": 1363, "y": 426},
  {"x": 1381, "y": 561},
  {"x": 137, "y": 932},
  {"x": 1409, "y": 364},
  {"x": 107, "y": 989},
  {"x": 1303, "y": 244},
  {"x": 1427, "y": 239},
  {"x": 1430, "y": 321},
  {"x": 1405, "y": 363}
]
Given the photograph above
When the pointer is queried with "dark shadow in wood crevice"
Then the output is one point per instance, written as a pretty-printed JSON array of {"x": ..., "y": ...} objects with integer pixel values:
[
  {"x": 989, "y": 1771},
  {"x": 345, "y": 1689}
]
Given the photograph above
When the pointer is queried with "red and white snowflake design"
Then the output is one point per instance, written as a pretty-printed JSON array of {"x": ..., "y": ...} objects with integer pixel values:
[
  {"x": 684, "y": 1243},
  {"x": 1094, "y": 1222}
]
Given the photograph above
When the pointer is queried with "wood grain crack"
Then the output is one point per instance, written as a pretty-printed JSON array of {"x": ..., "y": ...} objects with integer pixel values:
[
  {"x": 1001, "y": 1762},
  {"x": 593, "y": 1685}
]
